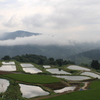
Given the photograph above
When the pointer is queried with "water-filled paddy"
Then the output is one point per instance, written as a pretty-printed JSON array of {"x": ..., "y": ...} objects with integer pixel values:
[
  {"x": 74, "y": 67},
  {"x": 4, "y": 85},
  {"x": 57, "y": 71},
  {"x": 29, "y": 91},
  {"x": 32, "y": 70},
  {"x": 73, "y": 78},
  {"x": 8, "y": 67},
  {"x": 91, "y": 74},
  {"x": 65, "y": 89},
  {"x": 46, "y": 66},
  {"x": 11, "y": 62},
  {"x": 26, "y": 65}
]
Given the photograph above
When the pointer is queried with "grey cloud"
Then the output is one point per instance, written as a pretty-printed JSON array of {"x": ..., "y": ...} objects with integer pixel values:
[
  {"x": 35, "y": 20},
  {"x": 11, "y": 22}
]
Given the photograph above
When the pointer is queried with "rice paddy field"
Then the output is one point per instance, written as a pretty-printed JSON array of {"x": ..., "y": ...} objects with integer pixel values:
[
  {"x": 32, "y": 78},
  {"x": 28, "y": 81}
]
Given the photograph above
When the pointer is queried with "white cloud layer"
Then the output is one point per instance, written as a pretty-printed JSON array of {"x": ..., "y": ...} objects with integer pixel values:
[{"x": 60, "y": 21}]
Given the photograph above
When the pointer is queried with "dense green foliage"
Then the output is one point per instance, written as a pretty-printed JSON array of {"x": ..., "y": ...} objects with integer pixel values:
[
  {"x": 95, "y": 64},
  {"x": 32, "y": 78},
  {"x": 39, "y": 59}
]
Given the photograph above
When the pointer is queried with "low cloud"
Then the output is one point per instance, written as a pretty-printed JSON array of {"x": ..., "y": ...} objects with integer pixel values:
[{"x": 60, "y": 21}]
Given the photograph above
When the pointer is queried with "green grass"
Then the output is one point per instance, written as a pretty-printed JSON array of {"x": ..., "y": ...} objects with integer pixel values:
[
  {"x": 13, "y": 92},
  {"x": 95, "y": 85},
  {"x": 79, "y": 95},
  {"x": 18, "y": 66},
  {"x": 32, "y": 78},
  {"x": 0, "y": 64}
]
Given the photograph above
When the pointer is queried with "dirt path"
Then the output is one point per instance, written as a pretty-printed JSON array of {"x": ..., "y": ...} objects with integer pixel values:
[{"x": 85, "y": 85}]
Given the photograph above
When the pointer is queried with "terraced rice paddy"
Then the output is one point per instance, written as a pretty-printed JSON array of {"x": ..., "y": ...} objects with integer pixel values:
[
  {"x": 29, "y": 91},
  {"x": 73, "y": 78},
  {"x": 57, "y": 83},
  {"x": 26, "y": 65},
  {"x": 29, "y": 68},
  {"x": 3, "y": 85},
  {"x": 74, "y": 67},
  {"x": 8, "y": 68},
  {"x": 57, "y": 71},
  {"x": 32, "y": 70},
  {"x": 91, "y": 74},
  {"x": 46, "y": 66},
  {"x": 10, "y": 62},
  {"x": 65, "y": 89}
]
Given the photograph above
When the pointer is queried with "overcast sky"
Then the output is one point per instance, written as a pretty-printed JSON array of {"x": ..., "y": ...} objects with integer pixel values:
[{"x": 60, "y": 21}]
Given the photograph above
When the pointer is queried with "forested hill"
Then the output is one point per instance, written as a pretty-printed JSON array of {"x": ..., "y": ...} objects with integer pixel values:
[
  {"x": 48, "y": 51},
  {"x": 86, "y": 57}
]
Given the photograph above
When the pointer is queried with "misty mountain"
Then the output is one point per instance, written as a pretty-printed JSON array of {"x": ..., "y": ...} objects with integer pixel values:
[
  {"x": 13, "y": 35},
  {"x": 54, "y": 51},
  {"x": 77, "y": 52},
  {"x": 86, "y": 57}
]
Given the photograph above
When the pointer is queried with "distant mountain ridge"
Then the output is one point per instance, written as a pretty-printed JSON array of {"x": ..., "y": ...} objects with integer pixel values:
[
  {"x": 19, "y": 33},
  {"x": 86, "y": 57}
]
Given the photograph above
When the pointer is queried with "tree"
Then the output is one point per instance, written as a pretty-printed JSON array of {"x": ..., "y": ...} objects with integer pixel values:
[
  {"x": 51, "y": 61},
  {"x": 95, "y": 64},
  {"x": 59, "y": 62},
  {"x": 6, "y": 57}
]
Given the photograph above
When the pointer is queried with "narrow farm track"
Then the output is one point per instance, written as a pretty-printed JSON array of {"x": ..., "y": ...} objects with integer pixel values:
[{"x": 85, "y": 85}]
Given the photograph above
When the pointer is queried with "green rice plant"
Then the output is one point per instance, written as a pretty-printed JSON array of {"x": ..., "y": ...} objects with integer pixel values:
[{"x": 30, "y": 78}]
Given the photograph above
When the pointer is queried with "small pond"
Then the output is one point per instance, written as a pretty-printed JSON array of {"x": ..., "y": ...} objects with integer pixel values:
[
  {"x": 74, "y": 67},
  {"x": 65, "y": 89},
  {"x": 91, "y": 74},
  {"x": 8, "y": 68},
  {"x": 32, "y": 70},
  {"x": 29, "y": 91},
  {"x": 26, "y": 65},
  {"x": 4, "y": 85},
  {"x": 46, "y": 66},
  {"x": 57, "y": 71},
  {"x": 73, "y": 78}
]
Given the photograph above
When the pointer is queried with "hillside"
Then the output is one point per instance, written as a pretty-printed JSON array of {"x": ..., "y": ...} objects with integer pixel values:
[
  {"x": 54, "y": 51},
  {"x": 86, "y": 57}
]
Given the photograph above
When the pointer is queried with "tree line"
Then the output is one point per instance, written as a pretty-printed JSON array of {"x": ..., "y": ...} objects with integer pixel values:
[
  {"x": 38, "y": 59},
  {"x": 95, "y": 64}
]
